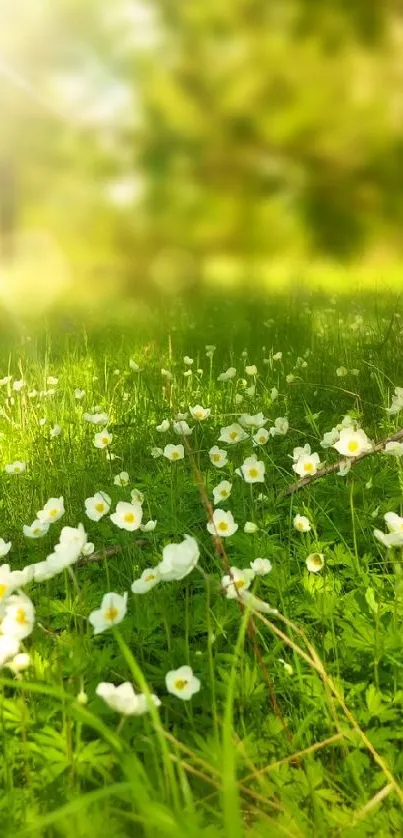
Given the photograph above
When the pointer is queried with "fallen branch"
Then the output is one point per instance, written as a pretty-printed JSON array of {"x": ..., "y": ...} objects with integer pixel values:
[
  {"x": 108, "y": 551},
  {"x": 295, "y": 487}
]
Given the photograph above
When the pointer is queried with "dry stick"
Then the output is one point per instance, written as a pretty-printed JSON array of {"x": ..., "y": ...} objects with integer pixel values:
[
  {"x": 221, "y": 553},
  {"x": 305, "y": 751},
  {"x": 316, "y": 663},
  {"x": 108, "y": 551},
  {"x": 295, "y": 487},
  {"x": 377, "y": 798}
]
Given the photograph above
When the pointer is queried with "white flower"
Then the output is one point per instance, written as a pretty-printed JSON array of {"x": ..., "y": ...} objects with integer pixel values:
[
  {"x": 182, "y": 683},
  {"x": 19, "y": 616},
  {"x": 79, "y": 394},
  {"x": 261, "y": 566},
  {"x": 223, "y": 524},
  {"x": 307, "y": 464},
  {"x": 315, "y": 562},
  {"x": 73, "y": 538},
  {"x": 290, "y": 378},
  {"x": 222, "y": 491},
  {"x": 251, "y": 369},
  {"x": 329, "y": 438},
  {"x": 96, "y": 418},
  {"x": 238, "y": 398},
  {"x": 15, "y": 468},
  {"x": 188, "y": 361},
  {"x": 5, "y": 380},
  {"x": 250, "y": 391},
  {"x": 227, "y": 375},
  {"x": 149, "y": 526},
  {"x": 36, "y": 530},
  {"x": 199, "y": 413},
  {"x": 180, "y": 417},
  {"x": 148, "y": 579},
  {"x": 97, "y": 506},
  {"x": 52, "y": 381},
  {"x": 7, "y": 582},
  {"x": 112, "y": 611},
  {"x": 301, "y": 523},
  {"x": 178, "y": 560},
  {"x": 278, "y": 356},
  {"x": 182, "y": 428},
  {"x": 5, "y": 547},
  {"x": 9, "y": 647},
  {"x": 163, "y": 427},
  {"x": 341, "y": 372},
  {"x": 88, "y": 549},
  {"x": 237, "y": 581},
  {"x": 121, "y": 479},
  {"x": 137, "y": 496},
  {"x": 133, "y": 366},
  {"x": 156, "y": 452},
  {"x": 250, "y": 527},
  {"x": 397, "y": 402},
  {"x": 394, "y": 448},
  {"x": 166, "y": 374},
  {"x": 218, "y": 456},
  {"x": 274, "y": 394},
  {"x": 232, "y": 434},
  {"x": 19, "y": 662},
  {"x": 52, "y": 511},
  {"x": 124, "y": 700},
  {"x": 261, "y": 436},
  {"x": 55, "y": 431},
  {"x": 256, "y": 604},
  {"x": 253, "y": 470},
  {"x": 344, "y": 468},
  {"x": 174, "y": 452},
  {"x": 301, "y": 451},
  {"x": 127, "y": 516},
  {"x": 352, "y": 443},
  {"x": 103, "y": 438},
  {"x": 18, "y": 385},
  {"x": 280, "y": 427},
  {"x": 257, "y": 420}
]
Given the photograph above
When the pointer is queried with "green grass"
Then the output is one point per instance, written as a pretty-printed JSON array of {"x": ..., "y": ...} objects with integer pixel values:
[{"x": 225, "y": 763}]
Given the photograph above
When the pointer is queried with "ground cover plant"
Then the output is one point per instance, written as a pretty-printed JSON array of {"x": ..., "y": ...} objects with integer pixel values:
[{"x": 201, "y": 632}]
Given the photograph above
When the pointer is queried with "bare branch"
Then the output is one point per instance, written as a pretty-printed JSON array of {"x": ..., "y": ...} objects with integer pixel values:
[{"x": 295, "y": 487}]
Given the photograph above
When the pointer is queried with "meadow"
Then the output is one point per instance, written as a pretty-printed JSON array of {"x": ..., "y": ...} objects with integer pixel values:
[{"x": 155, "y": 534}]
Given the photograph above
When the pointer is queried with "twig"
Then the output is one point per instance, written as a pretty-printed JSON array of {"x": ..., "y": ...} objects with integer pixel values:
[
  {"x": 108, "y": 551},
  {"x": 295, "y": 487}
]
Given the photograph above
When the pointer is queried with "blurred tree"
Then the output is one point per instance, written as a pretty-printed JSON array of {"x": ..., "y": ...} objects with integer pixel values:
[{"x": 166, "y": 135}]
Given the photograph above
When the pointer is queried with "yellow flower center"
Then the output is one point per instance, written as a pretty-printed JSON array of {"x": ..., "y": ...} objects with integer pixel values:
[
  {"x": 150, "y": 577},
  {"x": 308, "y": 466},
  {"x": 105, "y": 440},
  {"x": 129, "y": 518},
  {"x": 175, "y": 455},
  {"x": 17, "y": 469},
  {"x": 353, "y": 445},
  {"x": 3, "y": 589},
  {"x": 111, "y": 613},
  {"x": 99, "y": 507},
  {"x": 240, "y": 583},
  {"x": 21, "y": 616},
  {"x": 216, "y": 458},
  {"x": 222, "y": 526},
  {"x": 253, "y": 472},
  {"x": 223, "y": 493},
  {"x": 36, "y": 531},
  {"x": 181, "y": 683},
  {"x": 233, "y": 435}
]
